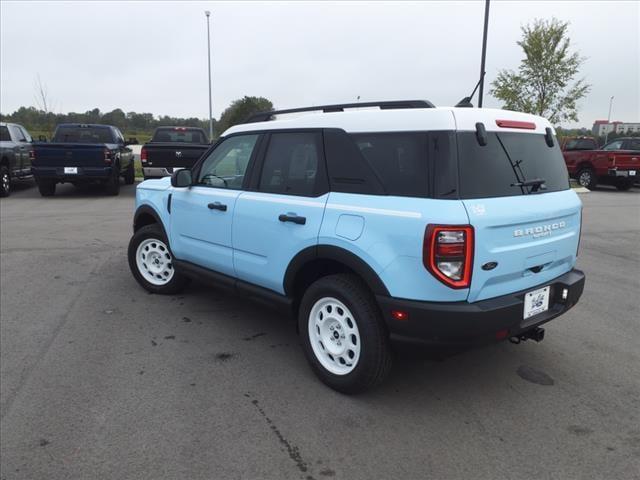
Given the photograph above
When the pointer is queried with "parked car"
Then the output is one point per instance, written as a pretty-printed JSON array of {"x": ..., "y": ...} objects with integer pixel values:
[
  {"x": 172, "y": 148},
  {"x": 617, "y": 163},
  {"x": 80, "y": 154},
  {"x": 16, "y": 153},
  {"x": 435, "y": 225}
]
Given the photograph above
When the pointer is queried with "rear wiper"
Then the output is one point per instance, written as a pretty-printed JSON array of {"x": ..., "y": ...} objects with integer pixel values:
[{"x": 535, "y": 183}]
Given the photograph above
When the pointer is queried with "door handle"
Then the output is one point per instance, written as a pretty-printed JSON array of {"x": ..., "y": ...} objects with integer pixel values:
[
  {"x": 293, "y": 218},
  {"x": 217, "y": 206}
]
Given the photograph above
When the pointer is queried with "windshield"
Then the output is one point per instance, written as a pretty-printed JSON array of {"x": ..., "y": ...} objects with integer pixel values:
[
  {"x": 83, "y": 134},
  {"x": 179, "y": 135},
  {"x": 509, "y": 159}
]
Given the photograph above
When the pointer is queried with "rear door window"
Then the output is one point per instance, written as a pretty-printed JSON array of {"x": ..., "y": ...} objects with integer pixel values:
[
  {"x": 633, "y": 144},
  {"x": 291, "y": 163},
  {"x": 4, "y": 134},
  {"x": 398, "y": 159},
  {"x": 508, "y": 158}
]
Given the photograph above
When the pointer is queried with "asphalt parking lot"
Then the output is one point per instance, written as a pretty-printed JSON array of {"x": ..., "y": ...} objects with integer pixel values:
[{"x": 101, "y": 380}]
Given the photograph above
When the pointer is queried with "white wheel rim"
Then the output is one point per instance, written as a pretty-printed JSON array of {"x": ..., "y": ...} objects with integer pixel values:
[
  {"x": 334, "y": 336},
  {"x": 154, "y": 262},
  {"x": 5, "y": 182}
]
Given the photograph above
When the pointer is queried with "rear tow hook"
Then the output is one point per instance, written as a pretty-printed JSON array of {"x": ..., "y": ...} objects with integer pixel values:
[{"x": 536, "y": 334}]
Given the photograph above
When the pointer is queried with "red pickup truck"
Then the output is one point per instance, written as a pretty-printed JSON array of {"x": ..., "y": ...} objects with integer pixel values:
[{"x": 617, "y": 163}]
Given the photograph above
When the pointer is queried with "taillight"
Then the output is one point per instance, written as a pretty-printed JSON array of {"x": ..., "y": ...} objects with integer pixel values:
[
  {"x": 448, "y": 254},
  {"x": 107, "y": 156},
  {"x": 143, "y": 155}
]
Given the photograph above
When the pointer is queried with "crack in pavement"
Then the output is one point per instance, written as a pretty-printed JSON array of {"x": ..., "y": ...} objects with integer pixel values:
[{"x": 292, "y": 450}]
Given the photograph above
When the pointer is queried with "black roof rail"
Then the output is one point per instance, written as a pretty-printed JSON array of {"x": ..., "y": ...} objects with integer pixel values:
[{"x": 387, "y": 105}]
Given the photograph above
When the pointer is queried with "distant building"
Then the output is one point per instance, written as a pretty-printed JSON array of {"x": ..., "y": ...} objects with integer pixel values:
[{"x": 602, "y": 127}]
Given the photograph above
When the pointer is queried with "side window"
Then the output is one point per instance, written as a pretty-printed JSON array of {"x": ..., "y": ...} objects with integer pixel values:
[
  {"x": 633, "y": 145},
  {"x": 4, "y": 134},
  {"x": 399, "y": 159},
  {"x": 26, "y": 135},
  {"x": 617, "y": 145},
  {"x": 17, "y": 133},
  {"x": 290, "y": 165},
  {"x": 118, "y": 136},
  {"x": 226, "y": 165}
]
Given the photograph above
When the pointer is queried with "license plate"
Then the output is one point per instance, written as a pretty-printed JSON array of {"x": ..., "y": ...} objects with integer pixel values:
[
  {"x": 536, "y": 302},
  {"x": 70, "y": 170}
]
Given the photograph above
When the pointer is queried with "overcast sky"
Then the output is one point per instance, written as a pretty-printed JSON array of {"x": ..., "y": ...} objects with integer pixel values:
[{"x": 152, "y": 56}]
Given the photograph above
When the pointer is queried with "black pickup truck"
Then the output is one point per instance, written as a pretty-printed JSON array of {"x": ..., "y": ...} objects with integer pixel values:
[
  {"x": 79, "y": 154},
  {"x": 16, "y": 152},
  {"x": 172, "y": 148}
]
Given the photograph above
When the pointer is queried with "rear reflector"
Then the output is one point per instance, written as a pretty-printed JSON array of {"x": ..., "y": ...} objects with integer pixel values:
[
  {"x": 448, "y": 254},
  {"x": 502, "y": 334},
  {"x": 399, "y": 315},
  {"x": 516, "y": 124}
]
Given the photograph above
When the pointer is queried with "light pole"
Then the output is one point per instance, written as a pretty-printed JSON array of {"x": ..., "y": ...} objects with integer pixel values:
[
  {"x": 208, "y": 13},
  {"x": 606, "y": 136}
]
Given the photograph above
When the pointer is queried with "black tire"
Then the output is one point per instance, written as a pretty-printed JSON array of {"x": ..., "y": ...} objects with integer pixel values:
[
  {"x": 130, "y": 174},
  {"x": 112, "y": 186},
  {"x": 587, "y": 178},
  {"x": 5, "y": 181},
  {"x": 153, "y": 232},
  {"x": 47, "y": 188},
  {"x": 375, "y": 356},
  {"x": 623, "y": 184}
]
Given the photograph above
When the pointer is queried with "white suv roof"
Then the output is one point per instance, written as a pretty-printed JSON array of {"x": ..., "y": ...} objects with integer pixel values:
[{"x": 403, "y": 119}]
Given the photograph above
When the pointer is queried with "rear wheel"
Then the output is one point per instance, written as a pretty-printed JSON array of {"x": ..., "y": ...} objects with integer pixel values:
[
  {"x": 130, "y": 174},
  {"x": 113, "y": 183},
  {"x": 587, "y": 178},
  {"x": 151, "y": 261},
  {"x": 5, "y": 181},
  {"x": 623, "y": 183},
  {"x": 343, "y": 335},
  {"x": 47, "y": 188}
]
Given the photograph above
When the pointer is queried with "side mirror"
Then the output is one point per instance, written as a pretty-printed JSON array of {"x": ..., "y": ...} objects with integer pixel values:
[{"x": 181, "y": 178}]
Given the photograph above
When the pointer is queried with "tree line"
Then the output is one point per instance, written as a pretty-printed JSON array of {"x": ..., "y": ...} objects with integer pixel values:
[{"x": 134, "y": 123}]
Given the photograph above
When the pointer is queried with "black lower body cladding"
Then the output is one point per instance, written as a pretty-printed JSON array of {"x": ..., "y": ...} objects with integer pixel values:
[{"x": 464, "y": 323}]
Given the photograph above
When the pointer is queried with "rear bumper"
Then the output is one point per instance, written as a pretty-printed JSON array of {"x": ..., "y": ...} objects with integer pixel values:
[
  {"x": 84, "y": 174},
  {"x": 630, "y": 173},
  {"x": 463, "y": 323},
  {"x": 159, "y": 172}
]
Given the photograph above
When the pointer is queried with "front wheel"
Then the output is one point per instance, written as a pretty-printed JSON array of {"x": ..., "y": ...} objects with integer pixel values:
[
  {"x": 5, "y": 181},
  {"x": 47, "y": 188},
  {"x": 130, "y": 174},
  {"x": 151, "y": 261},
  {"x": 587, "y": 178},
  {"x": 113, "y": 182},
  {"x": 623, "y": 184},
  {"x": 343, "y": 334}
]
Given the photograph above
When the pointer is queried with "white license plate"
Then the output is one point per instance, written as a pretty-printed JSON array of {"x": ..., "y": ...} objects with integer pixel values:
[
  {"x": 536, "y": 302},
  {"x": 70, "y": 170}
]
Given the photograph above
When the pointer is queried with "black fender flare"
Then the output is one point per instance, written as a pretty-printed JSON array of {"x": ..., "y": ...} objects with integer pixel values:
[
  {"x": 143, "y": 210},
  {"x": 337, "y": 254}
]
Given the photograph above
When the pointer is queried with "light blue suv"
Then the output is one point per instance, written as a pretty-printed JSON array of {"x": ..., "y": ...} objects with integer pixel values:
[{"x": 374, "y": 222}]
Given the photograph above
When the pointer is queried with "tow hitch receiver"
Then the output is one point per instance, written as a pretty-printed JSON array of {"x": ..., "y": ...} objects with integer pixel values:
[{"x": 536, "y": 334}]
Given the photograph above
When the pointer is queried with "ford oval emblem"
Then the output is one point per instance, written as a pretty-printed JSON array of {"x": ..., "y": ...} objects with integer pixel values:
[{"x": 489, "y": 265}]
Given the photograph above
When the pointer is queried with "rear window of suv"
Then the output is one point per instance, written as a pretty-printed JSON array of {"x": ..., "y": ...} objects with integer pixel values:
[
  {"x": 80, "y": 134},
  {"x": 507, "y": 159}
]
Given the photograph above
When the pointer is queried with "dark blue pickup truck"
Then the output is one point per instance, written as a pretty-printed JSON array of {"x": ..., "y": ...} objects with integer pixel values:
[{"x": 80, "y": 154}]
